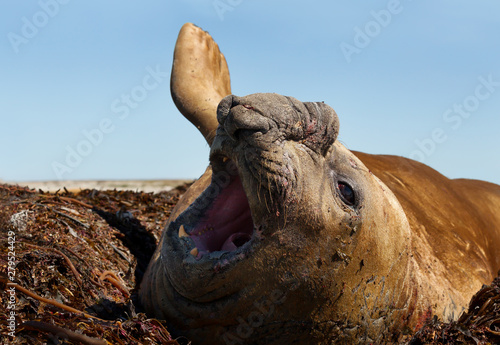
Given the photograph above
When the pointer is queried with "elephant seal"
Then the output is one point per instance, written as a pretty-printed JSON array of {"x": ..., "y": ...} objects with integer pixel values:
[{"x": 290, "y": 238}]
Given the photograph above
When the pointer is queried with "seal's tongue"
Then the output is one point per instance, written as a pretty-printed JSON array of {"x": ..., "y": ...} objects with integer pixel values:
[{"x": 228, "y": 223}]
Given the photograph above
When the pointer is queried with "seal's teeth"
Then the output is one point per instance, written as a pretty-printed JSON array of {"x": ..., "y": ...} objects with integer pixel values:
[
  {"x": 182, "y": 232},
  {"x": 194, "y": 252}
]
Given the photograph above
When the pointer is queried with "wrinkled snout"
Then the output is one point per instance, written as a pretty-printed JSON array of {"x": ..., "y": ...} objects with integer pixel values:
[
  {"x": 237, "y": 117},
  {"x": 271, "y": 117}
]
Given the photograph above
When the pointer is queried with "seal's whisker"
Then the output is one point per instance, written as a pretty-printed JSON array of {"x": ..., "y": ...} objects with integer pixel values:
[{"x": 269, "y": 190}]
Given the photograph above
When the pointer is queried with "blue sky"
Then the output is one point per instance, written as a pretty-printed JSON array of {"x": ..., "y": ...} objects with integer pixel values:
[{"x": 419, "y": 79}]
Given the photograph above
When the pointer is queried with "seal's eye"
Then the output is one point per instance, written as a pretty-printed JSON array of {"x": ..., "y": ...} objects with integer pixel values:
[{"x": 347, "y": 194}]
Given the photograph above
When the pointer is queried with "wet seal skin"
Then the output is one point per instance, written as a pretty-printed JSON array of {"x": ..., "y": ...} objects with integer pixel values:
[{"x": 290, "y": 238}]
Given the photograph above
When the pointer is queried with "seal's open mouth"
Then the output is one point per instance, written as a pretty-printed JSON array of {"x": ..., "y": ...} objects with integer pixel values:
[{"x": 220, "y": 219}]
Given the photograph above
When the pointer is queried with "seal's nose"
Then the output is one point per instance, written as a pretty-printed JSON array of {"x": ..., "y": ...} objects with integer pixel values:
[
  {"x": 262, "y": 119},
  {"x": 224, "y": 107},
  {"x": 239, "y": 119}
]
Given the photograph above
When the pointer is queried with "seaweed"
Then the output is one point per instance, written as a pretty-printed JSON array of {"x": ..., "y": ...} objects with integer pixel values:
[{"x": 71, "y": 264}]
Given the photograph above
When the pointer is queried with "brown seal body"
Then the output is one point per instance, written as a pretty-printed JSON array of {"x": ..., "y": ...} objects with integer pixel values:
[{"x": 290, "y": 238}]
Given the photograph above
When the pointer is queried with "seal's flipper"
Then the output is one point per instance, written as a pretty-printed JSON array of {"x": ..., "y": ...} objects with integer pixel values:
[{"x": 200, "y": 78}]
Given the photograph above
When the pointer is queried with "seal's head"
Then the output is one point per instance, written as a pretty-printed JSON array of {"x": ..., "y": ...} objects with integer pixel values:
[{"x": 291, "y": 237}]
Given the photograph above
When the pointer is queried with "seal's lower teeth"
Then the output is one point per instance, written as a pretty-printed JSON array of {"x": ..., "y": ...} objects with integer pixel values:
[
  {"x": 194, "y": 252},
  {"x": 182, "y": 232}
]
